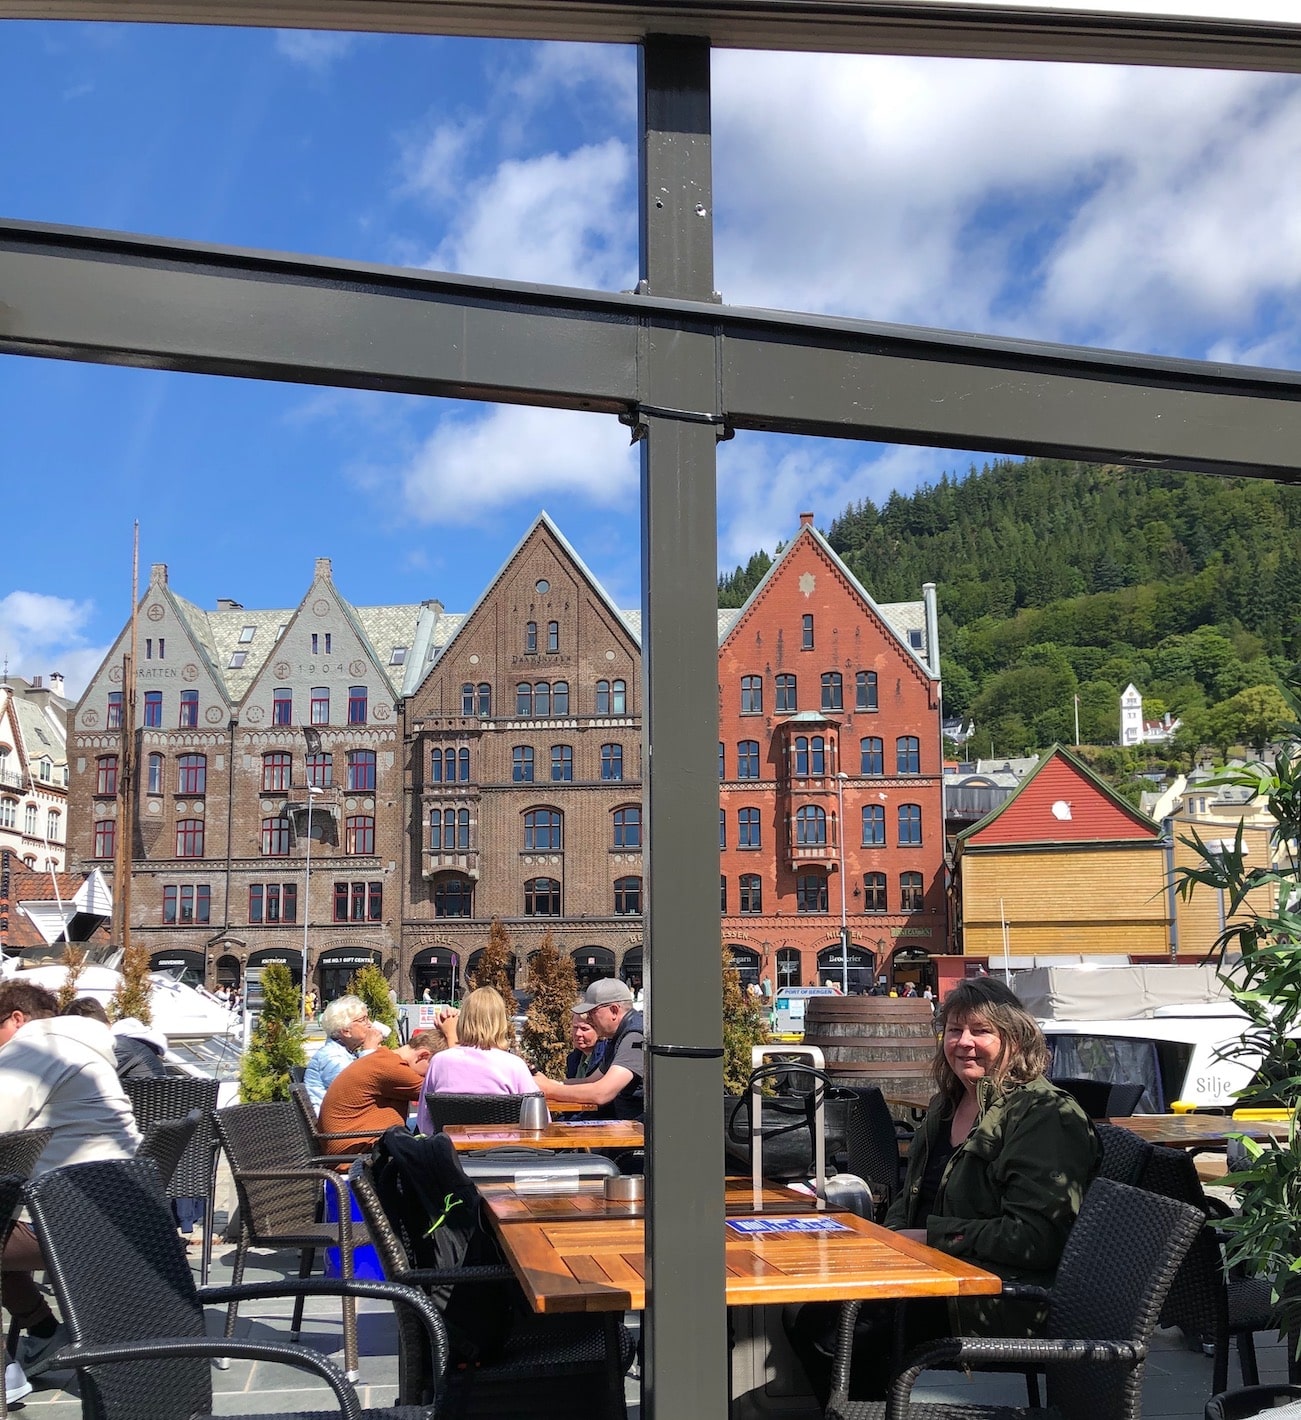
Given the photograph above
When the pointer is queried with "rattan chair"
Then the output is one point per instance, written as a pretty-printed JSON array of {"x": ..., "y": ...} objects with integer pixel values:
[
  {"x": 1100, "y": 1099},
  {"x": 872, "y": 1145},
  {"x": 548, "y": 1359},
  {"x": 1254, "y": 1400},
  {"x": 1120, "y": 1259},
  {"x": 195, "y": 1176},
  {"x": 165, "y": 1141},
  {"x": 318, "y": 1139},
  {"x": 1202, "y": 1302},
  {"x": 128, "y": 1297},
  {"x": 447, "y": 1108},
  {"x": 1124, "y": 1154},
  {"x": 280, "y": 1187},
  {"x": 19, "y": 1152}
]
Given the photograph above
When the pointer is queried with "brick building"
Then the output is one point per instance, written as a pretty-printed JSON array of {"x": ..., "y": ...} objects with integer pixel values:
[{"x": 829, "y": 759}]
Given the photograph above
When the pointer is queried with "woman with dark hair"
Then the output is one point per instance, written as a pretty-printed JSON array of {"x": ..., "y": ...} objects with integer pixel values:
[{"x": 996, "y": 1174}]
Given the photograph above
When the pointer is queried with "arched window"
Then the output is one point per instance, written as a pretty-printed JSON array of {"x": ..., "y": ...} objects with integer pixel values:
[
  {"x": 320, "y": 705},
  {"x": 485, "y": 700},
  {"x": 810, "y": 824},
  {"x": 627, "y": 828},
  {"x": 871, "y": 756},
  {"x": 543, "y": 831},
  {"x": 530, "y": 638},
  {"x": 542, "y": 897},
  {"x": 357, "y": 704},
  {"x": 747, "y": 828},
  {"x": 874, "y": 892},
  {"x": 627, "y": 897},
  {"x": 786, "y": 694},
  {"x": 751, "y": 886},
  {"x": 359, "y": 834},
  {"x": 747, "y": 759},
  {"x": 106, "y": 774},
  {"x": 192, "y": 774},
  {"x": 560, "y": 698},
  {"x": 907, "y": 752},
  {"x": 865, "y": 690},
  {"x": 361, "y": 770},
  {"x": 467, "y": 698},
  {"x": 810, "y": 756},
  {"x": 154, "y": 775},
  {"x": 275, "y": 837},
  {"x": 189, "y": 717},
  {"x": 189, "y": 838},
  {"x": 277, "y": 772},
  {"x": 453, "y": 897},
  {"x": 873, "y": 825},
  {"x": 320, "y": 770},
  {"x": 612, "y": 763},
  {"x": 910, "y": 825},
  {"x": 722, "y": 828},
  {"x": 910, "y": 892},
  {"x": 751, "y": 695},
  {"x": 562, "y": 763},
  {"x": 833, "y": 696},
  {"x": 105, "y": 837},
  {"x": 524, "y": 698},
  {"x": 521, "y": 764},
  {"x": 722, "y": 893},
  {"x": 542, "y": 697},
  {"x": 811, "y": 892},
  {"x": 553, "y": 637},
  {"x": 463, "y": 765},
  {"x": 53, "y": 825},
  {"x": 282, "y": 706},
  {"x": 113, "y": 721},
  {"x": 153, "y": 709}
]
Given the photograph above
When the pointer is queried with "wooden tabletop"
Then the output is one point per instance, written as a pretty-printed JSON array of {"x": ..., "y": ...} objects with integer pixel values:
[
  {"x": 573, "y": 1134},
  {"x": 1197, "y": 1131},
  {"x": 916, "y": 1097},
  {"x": 573, "y": 1201},
  {"x": 599, "y": 1265}
]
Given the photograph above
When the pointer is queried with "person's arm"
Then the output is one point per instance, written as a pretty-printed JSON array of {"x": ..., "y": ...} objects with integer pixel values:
[
  {"x": 596, "y": 1089},
  {"x": 23, "y": 1093},
  {"x": 446, "y": 1023}
]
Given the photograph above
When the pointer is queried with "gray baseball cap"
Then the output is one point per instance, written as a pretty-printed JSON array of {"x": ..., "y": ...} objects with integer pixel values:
[{"x": 608, "y": 991}]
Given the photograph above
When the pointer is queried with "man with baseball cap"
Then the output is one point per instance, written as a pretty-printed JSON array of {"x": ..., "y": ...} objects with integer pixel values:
[{"x": 616, "y": 1089}]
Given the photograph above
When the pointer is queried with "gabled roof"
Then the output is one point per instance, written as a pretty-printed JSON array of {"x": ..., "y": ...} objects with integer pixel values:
[{"x": 1061, "y": 801}]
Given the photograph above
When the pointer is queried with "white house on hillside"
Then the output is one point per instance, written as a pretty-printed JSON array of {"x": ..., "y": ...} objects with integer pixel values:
[{"x": 1134, "y": 729}]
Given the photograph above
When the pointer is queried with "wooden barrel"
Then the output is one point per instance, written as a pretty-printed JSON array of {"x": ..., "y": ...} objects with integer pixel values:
[{"x": 874, "y": 1040}]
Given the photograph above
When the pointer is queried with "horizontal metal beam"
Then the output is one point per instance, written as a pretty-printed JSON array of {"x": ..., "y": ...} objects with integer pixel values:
[
  {"x": 917, "y": 27},
  {"x": 142, "y": 301}
]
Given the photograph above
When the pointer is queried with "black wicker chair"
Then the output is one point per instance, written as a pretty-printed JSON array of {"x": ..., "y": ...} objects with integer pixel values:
[
  {"x": 471, "y": 1109},
  {"x": 281, "y": 1186},
  {"x": 1100, "y": 1099},
  {"x": 195, "y": 1176},
  {"x": 1120, "y": 1259},
  {"x": 555, "y": 1357},
  {"x": 1251, "y": 1401},
  {"x": 19, "y": 1152},
  {"x": 872, "y": 1145},
  {"x": 1202, "y": 1302},
  {"x": 136, "y": 1317},
  {"x": 1124, "y": 1154},
  {"x": 318, "y": 1140},
  {"x": 165, "y": 1141}
]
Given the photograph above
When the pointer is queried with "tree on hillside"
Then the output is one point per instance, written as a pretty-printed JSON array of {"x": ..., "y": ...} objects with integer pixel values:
[
  {"x": 493, "y": 967},
  {"x": 546, "y": 1040},
  {"x": 1253, "y": 717}
]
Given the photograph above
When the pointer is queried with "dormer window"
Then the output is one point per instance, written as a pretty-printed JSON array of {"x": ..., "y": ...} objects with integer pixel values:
[{"x": 246, "y": 635}]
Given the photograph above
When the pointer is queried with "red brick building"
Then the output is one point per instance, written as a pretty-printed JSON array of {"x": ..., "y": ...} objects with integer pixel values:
[{"x": 830, "y": 774}]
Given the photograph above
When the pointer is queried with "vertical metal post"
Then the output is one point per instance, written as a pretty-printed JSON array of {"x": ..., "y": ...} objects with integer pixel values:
[
  {"x": 686, "y": 1371},
  {"x": 844, "y": 918}
]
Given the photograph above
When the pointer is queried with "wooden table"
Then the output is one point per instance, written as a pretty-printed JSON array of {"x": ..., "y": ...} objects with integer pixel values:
[
  {"x": 917, "y": 1098},
  {"x": 1197, "y": 1131},
  {"x": 586, "y": 1200},
  {"x": 576, "y": 1134},
  {"x": 599, "y": 1265}
]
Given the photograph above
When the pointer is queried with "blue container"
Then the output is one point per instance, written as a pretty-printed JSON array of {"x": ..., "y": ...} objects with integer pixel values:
[{"x": 365, "y": 1260}]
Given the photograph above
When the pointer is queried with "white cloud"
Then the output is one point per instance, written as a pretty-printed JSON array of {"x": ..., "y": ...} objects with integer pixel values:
[
  {"x": 470, "y": 466},
  {"x": 41, "y": 635},
  {"x": 317, "y": 50}
]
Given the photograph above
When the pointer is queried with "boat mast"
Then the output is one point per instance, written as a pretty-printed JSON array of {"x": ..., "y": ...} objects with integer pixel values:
[{"x": 126, "y": 767}]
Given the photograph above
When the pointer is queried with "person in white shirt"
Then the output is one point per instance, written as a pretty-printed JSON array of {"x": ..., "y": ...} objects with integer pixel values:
[{"x": 345, "y": 1020}]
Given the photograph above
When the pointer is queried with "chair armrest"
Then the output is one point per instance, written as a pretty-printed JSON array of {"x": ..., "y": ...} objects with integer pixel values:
[
  {"x": 1026, "y": 1292},
  {"x": 300, "y": 1357},
  {"x": 437, "y": 1277}
]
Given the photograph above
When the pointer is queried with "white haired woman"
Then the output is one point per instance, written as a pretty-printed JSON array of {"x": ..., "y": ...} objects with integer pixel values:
[{"x": 346, "y": 1021}]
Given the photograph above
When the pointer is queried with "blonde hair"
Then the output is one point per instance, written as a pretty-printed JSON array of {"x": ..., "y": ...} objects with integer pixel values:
[
  {"x": 1023, "y": 1054},
  {"x": 483, "y": 1022}
]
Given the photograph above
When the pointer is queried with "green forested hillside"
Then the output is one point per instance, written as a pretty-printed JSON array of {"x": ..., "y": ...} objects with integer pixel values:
[{"x": 1057, "y": 579}]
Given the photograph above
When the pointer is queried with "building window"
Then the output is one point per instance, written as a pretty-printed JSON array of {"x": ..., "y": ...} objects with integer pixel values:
[
  {"x": 272, "y": 902},
  {"x": 915, "y": 639},
  {"x": 44, "y": 769},
  {"x": 562, "y": 764},
  {"x": 627, "y": 828},
  {"x": 910, "y": 825},
  {"x": 8, "y": 812},
  {"x": 810, "y": 756},
  {"x": 722, "y": 893},
  {"x": 277, "y": 772},
  {"x": 359, "y": 902},
  {"x": 810, "y": 825},
  {"x": 237, "y": 659},
  {"x": 186, "y": 902},
  {"x": 149, "y": 648},
  {"x": 722, "y": 828},
  {"x": 359, "y": 834},
  {"x": 611, "y": 697},
  {"x": 316, "y": 643},
  {"x": 106, "y": 774},
  {"x": 747, "y": 759},
  {"x": 751, "y": 896},
  {"x": 320, "y": 770},
  {"x": 907, "y": 753},
  {"x": 189, "y": 716},
  {"x": 865, "y": 690},
  {"x": 282, "y": 706},
  {"x": 398, "y": 656},
  {"x": 189, "y": 838},
  {"x": 192, "y": 774},
  {"x": 910, "y": 892},
  {"x": 275, "y": 837},
  {"x": 874, "y": 826},
  {"x": 747, "y": 828},
  {"x": 154, "y": 774},
  {"x": 530, "y": 638},
  {"x": 246, "y": 635},
  {"x": 806, "y": 632},
  {"x": 553, "y": 637},
  {"x": 542, "y": 897},
  {"x": 543, "y": 831},
  {"x": 484, "y": 693},
  {"x": 467, "y": 699},
  {"x": 29, "y": 820},
  {"x": 874, "y": 892},
  {"x": 105, "y": 837},
  {"x": 357, "y": 703},
  {"x": 832, "y": 691},
  {"x": 751, "y": 695},
  {"x": 871, "y": 753},
  {"x": 114, "y": 720},
  {"x": 786, "y": 696},
  {"x": 447, "y": 766},
  {"x": 53, "y": 823},
  {"x": 811, "y": 892},
  {"x": 153, "y": 709},
  {"x": 320, "y": 705},
  {"x": 453, "y": 897},
  {"x": 521, "y": 764},
  {"x": 361, "y": 771},
  {"x": 449, "y": 830},
  {"x": 612, "y": 763},
  {"x": 722, "y": 763},
  {"x": 627, "y": 897}
]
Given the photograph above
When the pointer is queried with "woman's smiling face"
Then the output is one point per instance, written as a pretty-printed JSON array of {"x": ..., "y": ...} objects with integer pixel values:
[{"x": 972, "y": 1047}]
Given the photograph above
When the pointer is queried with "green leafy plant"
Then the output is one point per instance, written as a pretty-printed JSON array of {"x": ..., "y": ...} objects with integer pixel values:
[
  {"x": 1259, "y": 956},
  {"x": 131, "y": 997},
  {"x": 743, "y": 1026},
  {"x": 74, "y": 958},
  {"x": 546, "y": 1037},
  {"x": 493, "y": 967},
  {"x": 370, "y": 985},
  {"x": 276, "y": 1042}
]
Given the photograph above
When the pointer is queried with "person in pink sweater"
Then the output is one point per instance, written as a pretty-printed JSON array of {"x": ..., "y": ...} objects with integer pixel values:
[{"x": 477, "y": 1061}]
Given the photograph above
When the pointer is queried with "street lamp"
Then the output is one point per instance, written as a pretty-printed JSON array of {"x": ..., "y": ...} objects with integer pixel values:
[
  {"x": 844, "y": 921},
  {"x": 312, "y": 792}
]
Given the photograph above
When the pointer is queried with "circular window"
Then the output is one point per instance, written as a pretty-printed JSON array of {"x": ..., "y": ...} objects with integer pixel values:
[{"x": 542, "y": 587}]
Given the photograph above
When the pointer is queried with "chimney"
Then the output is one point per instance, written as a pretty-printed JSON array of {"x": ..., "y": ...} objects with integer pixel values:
[
  {"x": 226, "y": 604},
  {"x": 158, "y": 574},
  {"x": 56, "y": 682},
  {"x": 806, "y": 520},
  {"x": 323, "y": 573},
  {"x": 36, "y": 682}
]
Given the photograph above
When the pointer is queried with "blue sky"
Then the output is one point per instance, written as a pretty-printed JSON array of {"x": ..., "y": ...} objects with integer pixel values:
[{"x": 1136, "y": 209}]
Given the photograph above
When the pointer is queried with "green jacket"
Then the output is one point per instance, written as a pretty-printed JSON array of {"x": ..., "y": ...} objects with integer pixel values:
[{"x": 1011, "y": 1191}]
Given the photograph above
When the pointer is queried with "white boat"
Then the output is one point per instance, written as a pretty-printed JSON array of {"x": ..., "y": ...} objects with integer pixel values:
[{"x": 1175, "y": 1029}]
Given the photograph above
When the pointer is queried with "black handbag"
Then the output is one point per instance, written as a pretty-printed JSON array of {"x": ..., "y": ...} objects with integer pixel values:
[{"x": 787, "y": 1121}]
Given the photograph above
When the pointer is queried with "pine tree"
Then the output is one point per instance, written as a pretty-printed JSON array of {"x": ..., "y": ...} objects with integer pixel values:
[
  {"x": 743, "y": 1027},
  {"x": 493, "y": 968},
  {"x": 131, "y": 998},
  {"x": 369, "y": 984},
  {"x": 74, "y": 958},
  {"x": 546, "y": 1037},
  {"x": 277, "y": 1039}
]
